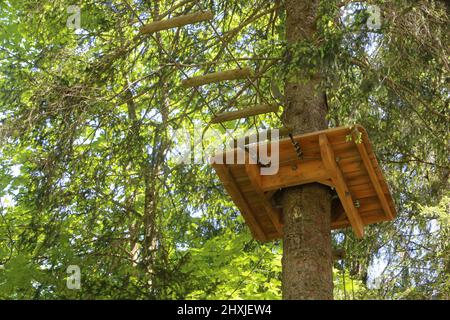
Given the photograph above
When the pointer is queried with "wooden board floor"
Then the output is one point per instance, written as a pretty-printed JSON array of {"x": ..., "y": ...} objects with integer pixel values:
[{"x": 341, "y": 158}]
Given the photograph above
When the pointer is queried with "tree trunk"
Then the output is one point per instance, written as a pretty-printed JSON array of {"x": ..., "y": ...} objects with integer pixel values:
[{"x": 307, "y": 250}]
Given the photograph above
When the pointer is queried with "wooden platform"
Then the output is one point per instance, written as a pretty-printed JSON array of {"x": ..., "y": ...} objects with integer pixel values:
[{"x": 332, "y": 157}]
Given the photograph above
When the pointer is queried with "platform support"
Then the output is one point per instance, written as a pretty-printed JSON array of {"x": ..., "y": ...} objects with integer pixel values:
[
  {"x": 253, "y": 172},
  {"x": 373, "y": 176},
  {"x": 338, "y": 180}
]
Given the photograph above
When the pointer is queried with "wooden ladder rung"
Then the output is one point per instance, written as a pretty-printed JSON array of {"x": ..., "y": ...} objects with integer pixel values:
[
  {"x": 217, "y": 76},
  {"x": 176, "y": 22},
  {"x": 245, "y": 113}
]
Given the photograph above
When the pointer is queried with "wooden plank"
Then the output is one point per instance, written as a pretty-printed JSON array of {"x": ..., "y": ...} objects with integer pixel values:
[
  {"x": 362, "y": 187},
  {"x": 302, "y": 172},
  {"x": 238, "y": 171},
  {"x": 327, "y": 182},
  {"x": 345, "y": 154},
  {"x": 371, "y": 217},
  {"x": 374, "y": 217},
  {"x": 176, "y": 22},
  {"x": 379, "y": 172},
  {"x": 270, "y": 194},
  {"x": 367, "y": 218},
  {"x": 253, "y": 172},
  {"x": 358, "y": 180},
  {"x": 351, "y": 166},
  {"x": 217, "y": 76},
  {"x": 369, "y": 204},
  {"x": 364, "y": 193},
  {"x": 336, "y": 136},
  {"x": 337, "y": 177},
  {"x": 287, "y": 151},
  {"x": 365, "y": 190},
  {"x": 232, "y": 188},
  {"x": 247, "y": 188},
  {"x": 327, "y": 159},
  {"x": 245, "y": 113},
  {"x": 352, "y": 175},
  {"x": 273, "y": 236},
  {"x": 333, "y": 133},
  {"x": 309, "y": 144},
  {"x": 373, "y": 176},
  {"x": 264, "y": 133},
  {"x": 340, "y": 224}
]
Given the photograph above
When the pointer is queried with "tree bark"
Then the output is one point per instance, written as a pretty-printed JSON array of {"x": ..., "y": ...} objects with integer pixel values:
[{"x": 307, "y": 251}]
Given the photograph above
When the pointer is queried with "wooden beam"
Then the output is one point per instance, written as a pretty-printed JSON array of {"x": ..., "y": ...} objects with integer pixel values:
[
  {"x": 341, "y": 224},
  {"x": 270, "y": 194},
  {"x": 342, "y": 190},
  {"x": 217, "y": 76},
  {"x": 369, "y": 217},
  {"x": 176, "y": 22},
  {"x": 234, "y": 191},
  {"x": 245, "y": 113},
  {"x": 373, "y": 176},
  {"x": 328, "y": 183},
  {"x": 253, "y": 172},
  {"x": 302, "y": 172}
]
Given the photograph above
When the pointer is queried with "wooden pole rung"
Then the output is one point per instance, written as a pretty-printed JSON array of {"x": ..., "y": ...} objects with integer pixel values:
[
  {"x": 373, "y": 176},
  {"x": 176, "y": 22},
  {"x": 217, "y": 76},
  {"x": 245, "y": 113},
  {"x": 337, "y": 177}
]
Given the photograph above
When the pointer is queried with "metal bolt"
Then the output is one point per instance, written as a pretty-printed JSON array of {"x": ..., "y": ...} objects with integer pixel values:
[{"x": 357, "y": 204}]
